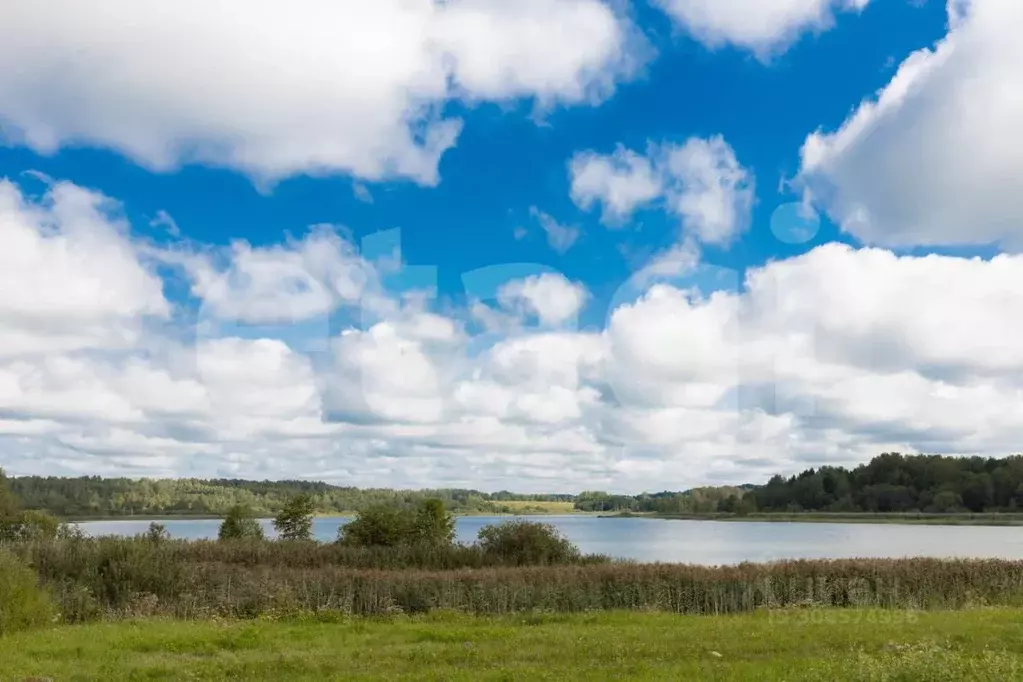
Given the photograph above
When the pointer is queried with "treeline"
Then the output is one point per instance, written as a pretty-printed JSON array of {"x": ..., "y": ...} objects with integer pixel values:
[
  {"x": 695, "y": 501},
  {"x": 901, "y": 483},
  {"x": 93, "y": 496},
  {"x": 889, "y": 483}
]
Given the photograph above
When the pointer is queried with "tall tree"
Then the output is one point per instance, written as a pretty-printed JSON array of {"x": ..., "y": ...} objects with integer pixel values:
[
  {"x": 295, "y": 520},
  {"x": 10, "y": 511},
  {"x": 433, "y": 524},
  {"x": 9, "y": 504}
]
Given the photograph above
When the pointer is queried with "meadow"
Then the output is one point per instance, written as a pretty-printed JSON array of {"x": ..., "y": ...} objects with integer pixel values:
[
  {"x": 793, "y": 644},
  {"x": 540, "y": 507},
  {"x": 396, "y": 597}
]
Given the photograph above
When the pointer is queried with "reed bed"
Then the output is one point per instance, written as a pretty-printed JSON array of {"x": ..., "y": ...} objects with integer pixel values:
[
  {"x": 77, "y": 554},
  {"x": 125, "y": 577}
]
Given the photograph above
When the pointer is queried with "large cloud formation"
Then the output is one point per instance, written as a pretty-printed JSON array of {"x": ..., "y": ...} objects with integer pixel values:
[
  {"x": 831, "y": 356},
  {"x": 936, "y": 158},
  {"x": 311, "y": 86}
]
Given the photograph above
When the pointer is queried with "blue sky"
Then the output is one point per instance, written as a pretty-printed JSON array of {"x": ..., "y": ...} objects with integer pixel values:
[
  {"x": 504, "y": 162},
  {"x": 268, "y": 152}
]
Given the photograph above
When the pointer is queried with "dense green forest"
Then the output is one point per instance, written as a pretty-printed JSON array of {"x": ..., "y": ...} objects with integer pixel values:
[
  {"x": 901, "y": 483},
  {"x": 888, "y": 483},
  {"x": 694, "y": 501}
]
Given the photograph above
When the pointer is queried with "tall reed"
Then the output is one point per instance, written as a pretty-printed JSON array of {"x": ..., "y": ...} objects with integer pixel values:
[{"x": 122, "y": 577}]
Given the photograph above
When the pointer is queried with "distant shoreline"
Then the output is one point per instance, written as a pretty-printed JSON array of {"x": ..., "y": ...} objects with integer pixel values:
[
  {"x": 331, "y": 515},
  {"x": 920, "y": 519},
  {"x": 968, "y": 519}
]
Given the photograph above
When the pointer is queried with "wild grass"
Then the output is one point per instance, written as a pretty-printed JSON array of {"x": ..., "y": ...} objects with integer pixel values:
[
  {"x": 23, "y": 605},
  {"x": 977, "y": 645},
  {"x": 67, "y": 554},
  {"x": 122, "y": 577}
]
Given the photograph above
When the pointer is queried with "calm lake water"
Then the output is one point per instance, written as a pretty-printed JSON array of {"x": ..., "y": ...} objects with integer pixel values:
[{"x": 697, "y": 542}]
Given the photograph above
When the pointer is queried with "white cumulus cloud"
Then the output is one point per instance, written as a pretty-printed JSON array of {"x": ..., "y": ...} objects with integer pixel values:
[
  {"x": 936, "y": 157},
  {"x": 762, "y": 26},
  {"x": 621, "y": 182},
  {"x": 70, "y": 276},
  {"x": 312, "y": 86},
  {"x": 829, "y": 357},
  {"x": 701, "y": 182},
  {"x": 551, "y": 298}
]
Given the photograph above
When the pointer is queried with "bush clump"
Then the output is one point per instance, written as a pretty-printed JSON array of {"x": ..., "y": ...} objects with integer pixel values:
[
  {"x": 240, "y": 524},
  {"x": 23, "y": 603},
  {"x": 156, "y": 533},
  {"x": 383, "y": 526},
  {"x": 527, "y": 543}
]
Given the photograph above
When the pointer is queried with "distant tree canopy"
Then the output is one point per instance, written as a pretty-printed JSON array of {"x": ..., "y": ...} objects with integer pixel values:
[
  {"x": 10, "y": 505},
  {"x": 116, "y": 497},
  {"x": 889, "y": 483},
  {"x": 901, "y": 483},
  {"x": 21, "y": 524},
  {"x": 695, "y": 501}
]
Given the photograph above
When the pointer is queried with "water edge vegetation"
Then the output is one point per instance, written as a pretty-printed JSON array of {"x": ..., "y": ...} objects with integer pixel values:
[{"x": 157, "y": 607}]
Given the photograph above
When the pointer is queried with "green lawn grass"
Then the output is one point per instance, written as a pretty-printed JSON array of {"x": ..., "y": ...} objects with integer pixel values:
[{"x": 792, "y": 645}]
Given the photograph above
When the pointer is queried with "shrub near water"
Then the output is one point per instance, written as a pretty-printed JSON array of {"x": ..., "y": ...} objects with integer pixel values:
[
  {"x": 240, "y": 524},
  {"x": 295, "y": 520},
  {"x": 527, "y": 543},
  {"x": 23, "y": 604},
  {"x": 429, "y": 525},
  {"x": 377, "y": 526}
]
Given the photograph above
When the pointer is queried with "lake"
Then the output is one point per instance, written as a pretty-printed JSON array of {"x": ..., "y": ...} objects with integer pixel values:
[{"x": 697, "y": 542}]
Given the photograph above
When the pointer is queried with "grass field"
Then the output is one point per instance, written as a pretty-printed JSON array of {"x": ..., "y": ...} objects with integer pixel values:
[
  {"x": 546, "y": 507},
  {"x": 780, "y": 645}
]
